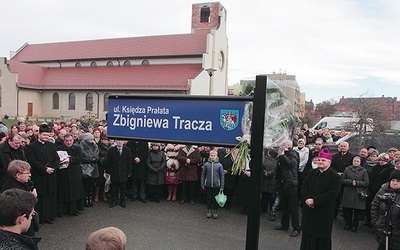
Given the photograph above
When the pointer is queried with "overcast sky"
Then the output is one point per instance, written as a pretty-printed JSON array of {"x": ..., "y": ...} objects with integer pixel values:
[{"x": 334, "y": 47}]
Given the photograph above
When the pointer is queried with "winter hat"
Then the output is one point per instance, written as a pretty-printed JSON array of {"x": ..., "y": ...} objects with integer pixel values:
[
  {"x": 324, "y": 153},
  {"x": 301, "y": 140},
  {"x": 44, "y": 128},
  {"x": 395, "y": 175},
  {"x": 314, "y": 154},
  {"x": 155, "y": 144},
  {"x": 383, "y": 157},
  {"x": 88, "y": 136}
]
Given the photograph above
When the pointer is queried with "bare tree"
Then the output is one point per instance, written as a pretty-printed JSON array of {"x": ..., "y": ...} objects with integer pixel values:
[
  {"x": 371, "y": 115},
  {"x": 326, "y": 108}
]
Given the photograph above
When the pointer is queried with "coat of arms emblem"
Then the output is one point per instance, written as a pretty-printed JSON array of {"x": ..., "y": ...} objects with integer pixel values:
[{"x": 229, "y": 118}]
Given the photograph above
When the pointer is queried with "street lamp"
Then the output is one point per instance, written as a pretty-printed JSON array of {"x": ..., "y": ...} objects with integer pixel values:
[{"x": 210, "y": 72}]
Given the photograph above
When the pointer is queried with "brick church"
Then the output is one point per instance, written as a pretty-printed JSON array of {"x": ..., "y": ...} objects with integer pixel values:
[{"x": 71, "y": 79}]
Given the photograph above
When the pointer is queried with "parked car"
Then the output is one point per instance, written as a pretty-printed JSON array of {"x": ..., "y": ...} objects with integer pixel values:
[{"x": 381, "y": 141}]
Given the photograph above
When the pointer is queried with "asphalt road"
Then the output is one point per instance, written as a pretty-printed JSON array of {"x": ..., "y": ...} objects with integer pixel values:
[{"x": 169, "y": 225}]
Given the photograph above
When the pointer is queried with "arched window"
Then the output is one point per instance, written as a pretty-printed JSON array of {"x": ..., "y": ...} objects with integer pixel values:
[
  {"x": 78, "y": 64},
  {"x": 56, "y": 101},
  {"x": 93, "y": 64},
  {"x": 145, "y": 62},
  {"x": 127, "y": 63},
  {"x": 89, "y": 102},
  {"x": 106, "y": 101},
  {"x": 71, "y": 101},
  {"x": 205, "y": 15},
  {"x": 110, "y": 63}
]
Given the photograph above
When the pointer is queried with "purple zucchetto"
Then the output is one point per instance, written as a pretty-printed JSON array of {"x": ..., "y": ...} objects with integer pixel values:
[{"x": 324, "y": 153}]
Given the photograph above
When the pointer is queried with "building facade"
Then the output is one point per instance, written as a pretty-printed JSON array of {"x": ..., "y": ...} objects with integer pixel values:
[{"x": 71, "y": 79}]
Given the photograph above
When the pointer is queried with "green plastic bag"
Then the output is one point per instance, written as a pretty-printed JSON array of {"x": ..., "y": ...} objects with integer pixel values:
[{"x": 221, "y": 198}]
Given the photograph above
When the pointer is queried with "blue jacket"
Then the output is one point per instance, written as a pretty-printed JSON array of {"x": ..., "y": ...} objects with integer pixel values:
[{"x": 213, "y": 175}]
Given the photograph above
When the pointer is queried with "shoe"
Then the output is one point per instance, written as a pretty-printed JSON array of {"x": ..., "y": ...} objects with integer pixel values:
[
  {"x": 144, "y": 200},
  {"x": 295, "y": 233},
  {"x": 280, "y": 227},
  {"x": 208, "y": 213},
  {"x": 192, "y": 202},
  {"x": 90, "y": 202},
  {"x": 272, "y": 216},
  {"x": 61, "y": 215},
  {"x": 113, "y": 204},
  {"x": 123, "y": 204},
  {"x": 86, "y": 202},
  {"x": 75, "y": 214},
  {"x": 353, "y": 229},
  {"x": 215, "y": 214},
  {"x": 347, "y": 228},
  {"x": 49, "y": 221},
  {"x": 182, "y": 202}
]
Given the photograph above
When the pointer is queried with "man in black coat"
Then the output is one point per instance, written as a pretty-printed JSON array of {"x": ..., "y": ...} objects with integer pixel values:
[
  {"x": 319, "y": 192},
  {"x": 288, "y": 163},
  {"x": 139, "y": 150},
  {"x": 119, "y": 166},
  {"x": 10, "y": 150},
  {"x": 69, "y": 179},
  {"x": 16, "y": 211},
  {"x": 340, "y": 161},
  {"x": 44, "y": 160}
]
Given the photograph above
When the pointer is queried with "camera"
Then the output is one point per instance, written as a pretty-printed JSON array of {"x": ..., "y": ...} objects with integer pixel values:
[
  {"x": 388, "y": 198},
  {"x": 30, "y": 185}
]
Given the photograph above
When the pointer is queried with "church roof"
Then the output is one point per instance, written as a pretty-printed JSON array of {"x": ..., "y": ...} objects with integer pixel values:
[
  {"x": 139, "y": 77},
  {"x": 135, "y": 47}
]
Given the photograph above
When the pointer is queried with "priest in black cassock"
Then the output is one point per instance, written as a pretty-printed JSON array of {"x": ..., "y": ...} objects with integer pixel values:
[
  {"x": 44, "y": 160},
  {"x": 319, "y": 192}
]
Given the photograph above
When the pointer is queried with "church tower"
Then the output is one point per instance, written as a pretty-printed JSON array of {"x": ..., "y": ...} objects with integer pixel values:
[{"x": 207, "y": 16}]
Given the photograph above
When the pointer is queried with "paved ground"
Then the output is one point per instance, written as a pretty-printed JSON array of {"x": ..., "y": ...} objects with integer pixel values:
[{"x": 169, "y": 225}]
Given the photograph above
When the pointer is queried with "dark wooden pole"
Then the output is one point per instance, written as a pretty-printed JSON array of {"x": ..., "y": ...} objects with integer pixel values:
[{"x": 257, "y": 139}]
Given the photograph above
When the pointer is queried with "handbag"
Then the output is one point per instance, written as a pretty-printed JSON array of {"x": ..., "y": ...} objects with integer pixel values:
[
  {"x": 221, "y": 198},
  {"x": 87, "y": 170},
  {"x": 363, "y": 193}
]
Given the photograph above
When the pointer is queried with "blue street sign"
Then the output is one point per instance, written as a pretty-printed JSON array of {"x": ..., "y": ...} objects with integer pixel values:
[{"x": 181, "y": 119}]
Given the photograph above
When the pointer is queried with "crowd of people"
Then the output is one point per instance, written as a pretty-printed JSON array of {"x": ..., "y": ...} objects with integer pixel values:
[{"x": 69, "y": 167}]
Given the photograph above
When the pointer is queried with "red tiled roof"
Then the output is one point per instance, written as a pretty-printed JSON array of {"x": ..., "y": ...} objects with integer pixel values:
[
  {"x": 148, "y": 77},
  {"x": 151, "y": 46}
]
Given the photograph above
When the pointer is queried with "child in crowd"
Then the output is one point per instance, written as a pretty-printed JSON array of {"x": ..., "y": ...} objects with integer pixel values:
[{"x": 212, "y": 179}]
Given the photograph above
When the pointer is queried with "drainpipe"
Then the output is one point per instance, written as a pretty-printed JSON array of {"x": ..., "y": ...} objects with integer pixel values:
[
  {"x": 98, "y": 104},
  {"x": 18, "y": 101}
]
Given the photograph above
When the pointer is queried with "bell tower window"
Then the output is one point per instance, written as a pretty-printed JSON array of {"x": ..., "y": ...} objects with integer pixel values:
[{"x": 205, "y": 15}]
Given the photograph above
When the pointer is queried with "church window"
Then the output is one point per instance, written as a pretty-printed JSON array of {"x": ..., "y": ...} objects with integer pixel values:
[
  {"x": 106, "y": 101},
  {"x": 205, "y": 14},
  {"x": 56, "y": 101},
  {"x": 71, "y": 101},
  {"x": 89, "y": 102}
]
